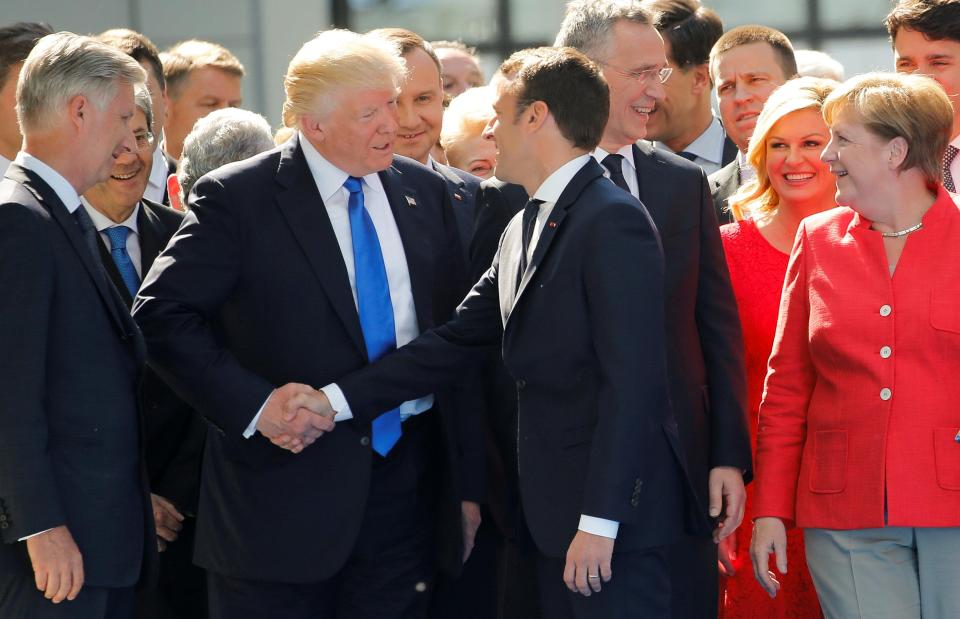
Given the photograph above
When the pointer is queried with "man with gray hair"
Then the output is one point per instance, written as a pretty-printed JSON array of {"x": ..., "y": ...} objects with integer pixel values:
[
  {"x": 74, "y": 504},
  {"x": 221, "y": 137},
  {"x": 16, "y": 41},
  {"x": 705, "y": 364}
]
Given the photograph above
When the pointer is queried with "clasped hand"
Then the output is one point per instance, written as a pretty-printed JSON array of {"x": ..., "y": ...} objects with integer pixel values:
[{"x": 295, "y": 416}]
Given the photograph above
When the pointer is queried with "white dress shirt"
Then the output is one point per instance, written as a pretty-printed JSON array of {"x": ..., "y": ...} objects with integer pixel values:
[
  {"x": 66, "y": 193},
  {"x": 747, "y": 173},
  {"x": 329, "y": 180},
  {"x": 708, "y": 147},
  {"x": 101, "y": 222},
  {"x": 549, "y": 191},
  {"x": 157, "y": 183},
  {"x": 4, "y": 164},
  {"x": 628, "y": 165}
]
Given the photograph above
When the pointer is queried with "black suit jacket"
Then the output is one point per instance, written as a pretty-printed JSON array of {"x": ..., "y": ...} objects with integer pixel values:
[
  {"x": 584, "y": 341},
  {"x": 70, "y": 429},
  {"x": 705, "y": 355},
  {"x": 252, "y": 293},
  {"x": 462, "y": 188},
  {"x": 723, "y": 184},
  {"x": 174, "y": 432}
]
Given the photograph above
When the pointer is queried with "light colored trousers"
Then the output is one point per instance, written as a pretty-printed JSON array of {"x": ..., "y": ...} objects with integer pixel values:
[{"x": 888, "y": 573}]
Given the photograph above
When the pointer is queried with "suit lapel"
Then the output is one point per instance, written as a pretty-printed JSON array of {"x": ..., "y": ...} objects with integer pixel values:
[
  {"x": 151, "y": 231},
  {"x": 301, "y": 205},
  {"x": 416, "y": 248},
  {"x": 652, "y": 194},
  {"x": 114, "y": 274}
]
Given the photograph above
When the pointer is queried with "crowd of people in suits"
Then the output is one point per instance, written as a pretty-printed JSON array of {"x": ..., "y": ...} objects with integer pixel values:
[{"x": 438, "y": 347}]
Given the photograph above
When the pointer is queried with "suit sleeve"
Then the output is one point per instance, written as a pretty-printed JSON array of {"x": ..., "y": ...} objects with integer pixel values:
[
  {"x": 29, "y": 497},
  {"x": 623, "y": 280},
  {"x": 436, "y": 358},
  {"x": 789, "y": 385},
  {"x": 722, "y": 342},
  {"x": 180, "y": 298},
  {"x": 493, "y": 215}
]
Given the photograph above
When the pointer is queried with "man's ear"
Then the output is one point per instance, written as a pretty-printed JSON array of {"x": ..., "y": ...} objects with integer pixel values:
[
  {"x": 535, "y": 115},
  {"x": 78, "y": 110},
  {"x": 312, "y": 128},
  {"x": 701, "y": 79}
]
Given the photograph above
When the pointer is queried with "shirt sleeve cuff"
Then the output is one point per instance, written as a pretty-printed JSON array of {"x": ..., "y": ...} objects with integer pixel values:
[
  {"x": 252, "y": 428},
  {"x": 26, "y": 537},
  {"x": 338, "y": 402},
  {"x": 599, "y": 526}
]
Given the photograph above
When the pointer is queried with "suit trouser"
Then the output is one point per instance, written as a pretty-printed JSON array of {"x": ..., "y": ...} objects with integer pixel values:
[
  {"x": 181, "y": 588},
  {"x": 20, "y": 599},
  {"x": 694, "y": 579},
  {"x": 887, "y": 573},
  {"x": 390, "y": 571}
]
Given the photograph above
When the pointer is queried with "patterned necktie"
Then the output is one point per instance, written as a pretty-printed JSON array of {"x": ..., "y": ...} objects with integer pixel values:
[
  {"x": 614, "y": 164},
  {"x": 948, "y": 158},
  {"x": 118, "y": 251},
  {"x": 373, "y": 303},
  {"x": 529, "y": 221}
]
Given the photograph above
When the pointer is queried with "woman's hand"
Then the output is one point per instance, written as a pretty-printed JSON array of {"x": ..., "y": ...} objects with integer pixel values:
[{"x": 769, "y": 536}]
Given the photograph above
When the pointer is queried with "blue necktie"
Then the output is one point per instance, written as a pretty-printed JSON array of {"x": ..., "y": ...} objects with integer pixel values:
[
  {"x": 118, "y": 250},
  {"x": 614, "y": 165},
  {"x": 373, "y": 304}
]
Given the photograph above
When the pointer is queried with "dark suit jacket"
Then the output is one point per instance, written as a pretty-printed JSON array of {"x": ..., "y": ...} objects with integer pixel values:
[
  {"x": 70, "y": 430},
  {"x": 174, "y": 433},
  {"x": 252, "y": 293},
  {"x": 730, "y": 151},
  {"x": 723, "y": 184},
  {"x": 705, "y": 352},
  {"x": 462, "y": 187},
  {"x": 585, "y": 344}
]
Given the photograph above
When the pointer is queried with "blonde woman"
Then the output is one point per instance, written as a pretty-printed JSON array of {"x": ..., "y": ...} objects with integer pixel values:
[{"x": 791, "y": 183}]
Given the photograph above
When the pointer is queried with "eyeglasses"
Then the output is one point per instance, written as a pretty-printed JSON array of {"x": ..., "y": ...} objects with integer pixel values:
[
  {"x": 661, "y": 75},
  {"x": 144, "y": 140}
]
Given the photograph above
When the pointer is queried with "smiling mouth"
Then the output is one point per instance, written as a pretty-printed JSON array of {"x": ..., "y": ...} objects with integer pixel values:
[
  {"x": 410, "y": 136},
  {"x": 643, "y": 110},
  {"x": 804, "y": 176},
  {"x": 124, "y": 177},
  {"x": 839, "y": 173}
]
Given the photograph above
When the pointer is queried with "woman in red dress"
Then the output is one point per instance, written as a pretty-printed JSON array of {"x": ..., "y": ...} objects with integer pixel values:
[{"x": 791, "y": 183}]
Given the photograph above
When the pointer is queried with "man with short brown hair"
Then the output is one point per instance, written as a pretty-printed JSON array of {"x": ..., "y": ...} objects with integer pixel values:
[{"x": 16, "y": 41}]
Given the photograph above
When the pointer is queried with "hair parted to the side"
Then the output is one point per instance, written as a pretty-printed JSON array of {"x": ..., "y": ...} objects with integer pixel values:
[
  {"x": 407, "y": 41},
  {"x": 138, "y": 47},
  {"x": 757, "y": 197},
  {"x": 221, "y": 137},
  {"x": 934, "y": 19},
  {"x": 16, "y": 41},
  {"x": 63, "y": 65},
  {"x": 569, "y": 83},
  {"x": 467, "y": 115},
  {"x": 188, "y": 56},
  {"x": 689, "y": 27},
  {"x": 746, "y": 35},
  {"x": 141, "y": 98},
  {"x": 334, "y": 61},
  {"x": 892, "y": 105},
  {"x": 587, "y": 24}
]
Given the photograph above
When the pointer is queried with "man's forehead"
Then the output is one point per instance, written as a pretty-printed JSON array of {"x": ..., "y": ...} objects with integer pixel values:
[{"x": 749, "y": 59}]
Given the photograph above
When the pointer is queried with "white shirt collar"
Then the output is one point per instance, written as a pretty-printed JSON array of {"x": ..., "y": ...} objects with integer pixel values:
[
  {"x": 4, "y": 164},
  {"x": 708, "y": 145},
  {"x": 158, "y": 176},
  {"x": 328, "y": 177},
  {"x": 101, "y": 222},
  {"x": 746, "y": 170},
  {"x": 626, "y": 151},
  {"x": 553, "y": 186},
  {"x": 60, "y": 185}
]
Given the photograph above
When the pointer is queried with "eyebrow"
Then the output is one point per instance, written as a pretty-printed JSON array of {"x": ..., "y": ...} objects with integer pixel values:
[{"x": 815, "y": 133}]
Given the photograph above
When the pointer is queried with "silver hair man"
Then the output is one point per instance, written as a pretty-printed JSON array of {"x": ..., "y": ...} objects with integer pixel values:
[{"x": 222, "y": 137}]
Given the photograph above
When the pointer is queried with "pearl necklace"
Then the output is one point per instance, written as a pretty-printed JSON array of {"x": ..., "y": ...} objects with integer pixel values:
[{"x": 904, "y": 232}]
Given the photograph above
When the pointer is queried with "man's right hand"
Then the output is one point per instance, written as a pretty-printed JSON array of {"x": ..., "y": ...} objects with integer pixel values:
[
  {"x": 296, "y": 430},
  {"x": 57, "y": 564}
]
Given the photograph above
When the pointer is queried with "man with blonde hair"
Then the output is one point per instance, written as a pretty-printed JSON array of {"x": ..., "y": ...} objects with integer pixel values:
[
  {"x": 201, "y": 77},
  {"x": 293, "y": 268},
  {"x": 74, "y": 505}
]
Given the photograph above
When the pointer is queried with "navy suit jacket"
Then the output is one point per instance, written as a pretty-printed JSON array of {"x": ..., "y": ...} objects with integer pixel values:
[
  {"x": 462, "y": 187},
  {"x": 252, "y": 293},
  {"x": 584, "y": 342},
  {"x": 70, "y": 428},
  {"x": 705, "y": 356}
]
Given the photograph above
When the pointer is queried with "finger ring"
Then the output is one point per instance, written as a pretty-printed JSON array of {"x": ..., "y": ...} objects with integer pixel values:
[{"x": 593, "y": 576}]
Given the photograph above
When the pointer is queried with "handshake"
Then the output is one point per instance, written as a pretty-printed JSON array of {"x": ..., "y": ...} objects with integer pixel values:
[{"x": 296, "y": 415}]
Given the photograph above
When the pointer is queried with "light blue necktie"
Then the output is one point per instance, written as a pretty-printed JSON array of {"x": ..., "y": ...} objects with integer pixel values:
[
  {"x": 373, "y": 304},
  {"x": 118, "y": 250}
]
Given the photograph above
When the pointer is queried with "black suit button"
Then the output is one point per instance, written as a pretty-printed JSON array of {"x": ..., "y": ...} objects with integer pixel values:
[
  {"x": 3, "y": 517},
  {"x": 634, "y": 501},
  {"x": 364, "y": 440},
  {"x": 521, "y": 384},
  {"x": 4, "y": 525}
]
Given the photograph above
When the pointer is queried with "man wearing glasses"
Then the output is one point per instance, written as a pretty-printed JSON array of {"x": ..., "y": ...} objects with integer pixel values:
[{"x": 705, "y": 350}]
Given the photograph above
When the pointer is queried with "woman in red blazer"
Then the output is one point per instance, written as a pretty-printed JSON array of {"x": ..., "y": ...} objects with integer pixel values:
[{"x": 860, "y": 420}]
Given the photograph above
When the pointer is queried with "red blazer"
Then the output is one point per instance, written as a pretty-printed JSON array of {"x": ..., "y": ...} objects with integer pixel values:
[{"x": 863, "y": 388}]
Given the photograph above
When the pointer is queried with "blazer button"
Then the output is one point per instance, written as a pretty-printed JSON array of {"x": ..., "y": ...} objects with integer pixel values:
[
  {"x": 885, "y": 394},
  {"x": 885, "y": 352},
  {"x": 885, "y": 310},
  {"x": 634, "y": 501},
  {"x": 4, "y": 525},
  {"x": 3, "y": 517},
  {"x": 521, "y": 384},
  {"x": 364, "y": 440}
]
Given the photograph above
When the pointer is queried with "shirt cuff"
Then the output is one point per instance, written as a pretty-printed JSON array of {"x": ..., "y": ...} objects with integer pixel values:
[
  {"x": 26, "y": 537},
  {"x": 337, "y": 402},
  {"x": 599, "y": 526},
  {"x": 252, "y": 428}
]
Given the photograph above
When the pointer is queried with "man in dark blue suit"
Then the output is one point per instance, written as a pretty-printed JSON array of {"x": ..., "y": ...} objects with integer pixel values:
[
  {"x": 573, "y": 298},
  {"x": 75, "y": 517},
  {"x": 705, "y": 353},
  {"x": 293, "y": 268}
]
